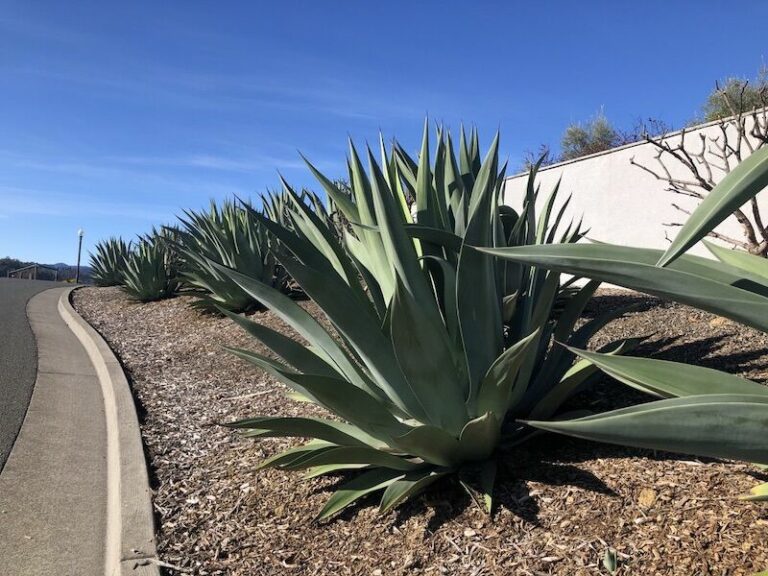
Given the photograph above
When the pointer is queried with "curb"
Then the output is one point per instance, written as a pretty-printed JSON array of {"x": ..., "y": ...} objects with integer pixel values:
[{"x": 130, "y": 539}]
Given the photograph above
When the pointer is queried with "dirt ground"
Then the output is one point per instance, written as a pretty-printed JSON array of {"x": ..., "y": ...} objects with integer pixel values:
[{"x": 561, "y": 502}]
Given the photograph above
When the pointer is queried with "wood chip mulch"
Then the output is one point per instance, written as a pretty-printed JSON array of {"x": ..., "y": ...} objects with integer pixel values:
[{"x": 561, "y": 503}]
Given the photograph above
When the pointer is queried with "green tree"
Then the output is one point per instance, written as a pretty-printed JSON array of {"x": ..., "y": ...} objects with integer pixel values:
[
  {"x": 734, "y": 96},
  {"x": 593, "y": 136}
]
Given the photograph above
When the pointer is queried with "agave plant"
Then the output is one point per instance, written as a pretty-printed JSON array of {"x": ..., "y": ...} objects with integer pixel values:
[
  {"x": 438, "y": 343},
  {"x": 150, "y": 270},
  {"x": 108, "y": 263},
  {"x": 228, "y": 235},
  {"x": 705, "y": 412}
]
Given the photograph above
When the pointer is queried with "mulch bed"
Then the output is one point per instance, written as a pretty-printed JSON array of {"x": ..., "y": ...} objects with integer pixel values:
[{"x": 561, "y": 502}]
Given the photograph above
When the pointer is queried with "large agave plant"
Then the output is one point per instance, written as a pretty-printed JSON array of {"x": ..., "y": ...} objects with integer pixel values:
[
  {"x": 108, "y": 263},
  {"x": 704, "y": 412},
  {"x": 441, "y": 347},
  {"x": 150, "y": 270},
  {"x": 228, "y": 235}
]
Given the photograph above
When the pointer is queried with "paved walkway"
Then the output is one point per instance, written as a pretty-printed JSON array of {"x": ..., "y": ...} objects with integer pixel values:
[
  {"x": 53, "y": 501},
  {"x": 18, "y": 357}
]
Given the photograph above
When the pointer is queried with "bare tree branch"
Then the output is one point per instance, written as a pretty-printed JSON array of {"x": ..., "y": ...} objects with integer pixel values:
[{"x": 714, "y": 157}]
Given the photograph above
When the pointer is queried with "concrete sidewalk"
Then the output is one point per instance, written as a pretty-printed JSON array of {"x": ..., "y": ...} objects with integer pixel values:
[
  {"x": 75, "y": 483},
  {"x": 53, "y": 487}
]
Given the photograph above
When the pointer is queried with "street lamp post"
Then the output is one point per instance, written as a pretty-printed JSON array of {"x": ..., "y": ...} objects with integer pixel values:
[{"x": 80, "y": 234}]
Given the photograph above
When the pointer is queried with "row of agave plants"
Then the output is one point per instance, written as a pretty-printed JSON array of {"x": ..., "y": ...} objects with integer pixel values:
[
  {"x": 453, "y": 331},
  {"x": 180, "y": 257}
]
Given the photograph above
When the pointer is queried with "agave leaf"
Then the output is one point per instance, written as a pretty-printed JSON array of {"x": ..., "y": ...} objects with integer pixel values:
[
  {"x": 751, "y": 264},
  {"x": 559, "y": 359},
  {"x": 500, "y": 388},
  {"x": 543, "y": 223},
  {"x": 509, "y": 306},
  {"x": 330, "y": 468},
  {"x": 573, "y": 310},
  {"x": 712, "y": 425},
  {"x": 450, "y": 313},
  {"x": 361, "y": 328},
  {"x": 429, "y": 210},
  {"x": 573, "y": 378},
  {"x": 358, "y": 487},
  {"x": 354, "y": 455},
  {"x": 346, "y": 206},
  {"x": 748, "y": 178},
  {"x": 425, "y": 356},
  {"x": 757, "y": 494},
  {"x": 480, "y": 437},
  {"x": 329, "y": 430},
  {"x": 312, "y": 226},
  {"x": 399, "y": 248},
  {"x": 337, "y": 395},
  {"x": 295, "y": 454},
  {"x": 410, "y": 485},
  {"x": 556, "y": 225},
  {"x": 394, "y": 180},
  {"x": 704, "y": 284},
  {"x": 300, "y": 320},
  {"x": 301, "y": 357},
  {"x": 670, "y": 379},
  {"x": 298, "y": 396},
  {"x": 433, "y": 235},
  {"x": 431, "y": 444},
  {"x": 372, "y": 239},
  {"x": 487, "y": 481},
  {"x": 479, "y": 318}
]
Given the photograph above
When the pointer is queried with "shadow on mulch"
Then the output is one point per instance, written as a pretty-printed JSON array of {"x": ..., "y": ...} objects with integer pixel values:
[
  {"x": 552, "y": 459},
  {"x": 536, "y": 461},
  {"x": 603, "y": 302},
  {"x": 710, "y": 352}
]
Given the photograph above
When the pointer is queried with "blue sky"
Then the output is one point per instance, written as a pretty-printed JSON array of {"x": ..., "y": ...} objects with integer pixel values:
[{"x": 115, "y": 116}]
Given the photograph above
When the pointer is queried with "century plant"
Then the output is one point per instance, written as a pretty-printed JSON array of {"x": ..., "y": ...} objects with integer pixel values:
[
  {"x": 150, "y": 270},
  {"x": 228, "y": 235},
  {"x": 108, "y": 263},
  {"x": 440, "y": 347},
  {"x": 704, "y": 412}
]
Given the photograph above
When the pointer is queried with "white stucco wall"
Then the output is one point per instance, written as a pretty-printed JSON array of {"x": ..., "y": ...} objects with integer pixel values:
[{"x": 621, "y": 203}]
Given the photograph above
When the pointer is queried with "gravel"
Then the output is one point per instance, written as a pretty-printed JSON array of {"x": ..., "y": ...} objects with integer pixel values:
[{"x": 561, "y": 502}]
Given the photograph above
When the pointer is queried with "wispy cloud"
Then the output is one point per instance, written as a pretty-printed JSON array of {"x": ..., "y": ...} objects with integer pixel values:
[
  {"x": 342, "y": 95},
  {"x": 214, "y": 162},
  {"x": 30, "y": 201}
]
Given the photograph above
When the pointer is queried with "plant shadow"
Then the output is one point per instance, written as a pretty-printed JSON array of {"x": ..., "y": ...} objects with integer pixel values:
[{"x": 555, "y": 460}]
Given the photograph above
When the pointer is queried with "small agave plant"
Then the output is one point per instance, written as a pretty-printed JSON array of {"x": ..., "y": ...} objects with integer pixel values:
[
  {"x": 108, "y": 263},
  {"x": 441, "y": 347},
  {"x": 150, "y": 270},
  {"x": 228, "y": 235}
]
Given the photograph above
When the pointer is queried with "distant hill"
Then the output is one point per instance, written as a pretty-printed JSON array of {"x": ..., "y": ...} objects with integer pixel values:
[
  {"x": 69, "y": 271},
  {"x": 7, "y": 264},
  {"x": 66, "y": 271}
]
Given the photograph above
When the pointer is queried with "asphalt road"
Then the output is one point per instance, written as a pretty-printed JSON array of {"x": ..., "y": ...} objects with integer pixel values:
[{"x": 18, "y": 357}]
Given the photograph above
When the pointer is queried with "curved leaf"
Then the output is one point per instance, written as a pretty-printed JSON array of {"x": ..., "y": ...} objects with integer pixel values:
[
  {"x": 358, "y": 487},
  {"x": 670, "y": 379},
  {"x": 704, "y": 284},
  {"x": 741, "y": 184},
  {"x": 712, "y": 425}
]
